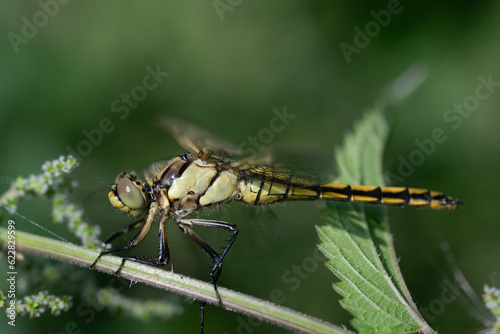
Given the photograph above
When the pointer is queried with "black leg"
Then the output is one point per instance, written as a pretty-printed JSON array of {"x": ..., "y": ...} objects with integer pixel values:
[
  {"x": 202, "y": 315},
  {"x": 163, "y": 255},
  {"x": 186, "y": 226},
  {"x": 125, "y": 229}
]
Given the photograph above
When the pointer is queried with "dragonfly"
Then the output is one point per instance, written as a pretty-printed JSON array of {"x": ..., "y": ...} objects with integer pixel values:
[{"x": 210, "y": 173}]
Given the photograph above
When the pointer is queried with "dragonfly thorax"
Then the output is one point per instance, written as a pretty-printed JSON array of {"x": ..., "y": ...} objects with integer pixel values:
[{"x": 187, "y": 183}]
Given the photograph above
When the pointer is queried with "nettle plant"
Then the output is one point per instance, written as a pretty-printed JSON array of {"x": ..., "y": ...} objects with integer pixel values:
[{"x": 355, "y": 239}]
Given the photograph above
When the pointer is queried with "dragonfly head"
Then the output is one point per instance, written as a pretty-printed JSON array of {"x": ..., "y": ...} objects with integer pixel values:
[{"x": 128, "y": 195}]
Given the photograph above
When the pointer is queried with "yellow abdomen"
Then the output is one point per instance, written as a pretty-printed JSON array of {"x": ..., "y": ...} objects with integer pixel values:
[{"x": 261, "y": 192}]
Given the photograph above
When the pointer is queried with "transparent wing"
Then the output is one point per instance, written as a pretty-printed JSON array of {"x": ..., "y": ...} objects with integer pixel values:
[
  {"x": 289, "y": 165},
  {"x": 259, "y": 230},
  {"x": 195, "y": 139}
]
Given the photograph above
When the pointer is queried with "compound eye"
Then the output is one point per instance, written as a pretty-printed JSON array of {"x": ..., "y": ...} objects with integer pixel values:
[{"x": 130, "y": 193}]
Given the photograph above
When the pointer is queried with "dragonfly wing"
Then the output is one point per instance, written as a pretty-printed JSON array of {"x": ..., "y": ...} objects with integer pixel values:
[
  {"x": 260, "y": 231},
  {"x": 278, "y": 176},
  {"x": 294, "y": 166},
  {"x": 195, "y": 139}
]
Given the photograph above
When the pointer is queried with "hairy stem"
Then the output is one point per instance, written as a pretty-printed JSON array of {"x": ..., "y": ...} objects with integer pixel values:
[{"x": 167, "y": 280}]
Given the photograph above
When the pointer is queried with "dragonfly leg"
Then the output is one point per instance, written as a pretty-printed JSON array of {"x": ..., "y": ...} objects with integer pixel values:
[
  {"x": 163, "y": 254},
  {"x": 202, "y": 315},
  {"x": 186, "y": 226},
  {"x": 124, "y": 230},
  {"x": 146, "y": 225}
]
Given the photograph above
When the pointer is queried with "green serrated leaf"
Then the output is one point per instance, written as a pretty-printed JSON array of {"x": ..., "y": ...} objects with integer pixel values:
[{"x": 358, "y": 244}]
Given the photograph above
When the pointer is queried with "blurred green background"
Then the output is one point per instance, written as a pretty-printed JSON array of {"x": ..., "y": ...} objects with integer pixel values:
[{"x": 230, "y": 64}]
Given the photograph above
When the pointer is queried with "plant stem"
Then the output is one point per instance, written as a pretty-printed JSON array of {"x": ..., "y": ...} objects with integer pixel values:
[{"x": 167, "y": 280}]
